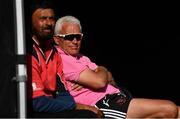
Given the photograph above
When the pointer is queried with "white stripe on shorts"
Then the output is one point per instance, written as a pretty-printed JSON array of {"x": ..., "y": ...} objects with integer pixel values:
[
  {"x": 114, "y": 117},
  {"x": 113, "y": 113}
]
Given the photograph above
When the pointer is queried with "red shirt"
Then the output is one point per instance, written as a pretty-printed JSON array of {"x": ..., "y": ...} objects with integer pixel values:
[{"x": 44, "y": 68}]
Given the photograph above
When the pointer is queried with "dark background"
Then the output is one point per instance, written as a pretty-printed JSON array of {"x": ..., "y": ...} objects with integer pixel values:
[
  {"x": 137, "y": 42},
  {"x": 8, "y": 88}
]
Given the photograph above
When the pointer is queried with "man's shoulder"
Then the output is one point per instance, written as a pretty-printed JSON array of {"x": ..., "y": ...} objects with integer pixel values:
[{"x": 81, "y": 56}]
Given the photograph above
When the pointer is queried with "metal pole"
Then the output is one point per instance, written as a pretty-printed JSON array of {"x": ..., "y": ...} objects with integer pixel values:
[{"x": 20, "y": 52}]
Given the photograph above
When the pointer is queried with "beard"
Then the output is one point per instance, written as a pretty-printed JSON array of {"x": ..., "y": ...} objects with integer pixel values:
[
  {"x": 42, "y": 35},
  {"x": 46, "y": 36}
]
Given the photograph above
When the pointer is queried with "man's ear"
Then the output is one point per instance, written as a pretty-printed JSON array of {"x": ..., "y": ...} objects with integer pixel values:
[{"x": 56, "y": 40}]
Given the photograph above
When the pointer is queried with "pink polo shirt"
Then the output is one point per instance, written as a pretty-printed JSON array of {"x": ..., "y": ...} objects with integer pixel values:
[{"x": 72, "y": 67}]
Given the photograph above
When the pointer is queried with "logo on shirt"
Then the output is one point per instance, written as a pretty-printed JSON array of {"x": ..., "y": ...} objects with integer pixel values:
[{"x": 34, "y": 87}]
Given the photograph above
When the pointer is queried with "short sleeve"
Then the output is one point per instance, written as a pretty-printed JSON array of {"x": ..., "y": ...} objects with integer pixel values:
[{"x": 72, "y": 66}]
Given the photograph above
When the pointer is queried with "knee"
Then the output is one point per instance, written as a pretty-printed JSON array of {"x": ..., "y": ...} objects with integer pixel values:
[{"x": 170, "y": 110}]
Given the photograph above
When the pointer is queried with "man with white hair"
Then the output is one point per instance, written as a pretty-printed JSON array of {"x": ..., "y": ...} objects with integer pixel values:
[{"x": 94, "y": 88}]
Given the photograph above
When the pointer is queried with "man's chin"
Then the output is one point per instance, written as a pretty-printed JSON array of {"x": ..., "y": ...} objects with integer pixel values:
[
  {"x": 74, "y": 53},
  {"x": 47, "y": 36}
]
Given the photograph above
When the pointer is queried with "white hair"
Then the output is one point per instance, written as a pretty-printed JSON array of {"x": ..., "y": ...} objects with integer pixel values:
[{"x": 60, "y": 21}]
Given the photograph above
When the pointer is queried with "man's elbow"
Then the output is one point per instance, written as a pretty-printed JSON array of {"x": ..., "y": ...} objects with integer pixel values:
[{"x": 101, "y": 84}]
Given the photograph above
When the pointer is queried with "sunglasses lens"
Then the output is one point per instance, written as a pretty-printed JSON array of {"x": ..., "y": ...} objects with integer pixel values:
[{"x": 73, "y": 36}]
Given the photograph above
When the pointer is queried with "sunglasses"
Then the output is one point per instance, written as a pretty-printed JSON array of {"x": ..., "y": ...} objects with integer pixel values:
[{"x": 71, "y": 37}]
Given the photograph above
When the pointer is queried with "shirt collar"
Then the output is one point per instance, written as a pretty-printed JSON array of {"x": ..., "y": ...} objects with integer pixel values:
[{"x": 61, "y": 51}]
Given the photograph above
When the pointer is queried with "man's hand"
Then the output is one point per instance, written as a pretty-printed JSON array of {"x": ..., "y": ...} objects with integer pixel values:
[
  {"x": 111, "y": 79},
  {"x": 91, "y": 108},
  {"x": 77, "y": 87}
]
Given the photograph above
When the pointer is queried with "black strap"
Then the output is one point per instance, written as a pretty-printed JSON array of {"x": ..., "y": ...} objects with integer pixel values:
[{"x": 20, "y": 59}]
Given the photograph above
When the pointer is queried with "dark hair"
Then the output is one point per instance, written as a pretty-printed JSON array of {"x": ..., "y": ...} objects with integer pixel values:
[
  {"x": 32, "y": 5},
  {"x": 42, "y": 4}
]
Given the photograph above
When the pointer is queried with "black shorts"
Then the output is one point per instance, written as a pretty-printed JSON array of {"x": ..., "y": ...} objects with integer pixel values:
[{"x": 115, "y": 105}]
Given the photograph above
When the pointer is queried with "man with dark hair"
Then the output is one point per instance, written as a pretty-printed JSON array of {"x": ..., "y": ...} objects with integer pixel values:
[{"x": 46, "y": 85}]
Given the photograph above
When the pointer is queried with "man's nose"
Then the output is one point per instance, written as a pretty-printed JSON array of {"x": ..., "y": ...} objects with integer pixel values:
[
  {"x": 75, "y": 40},
  {"x": 49, "y": 21}
]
